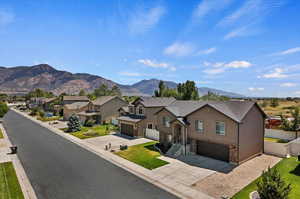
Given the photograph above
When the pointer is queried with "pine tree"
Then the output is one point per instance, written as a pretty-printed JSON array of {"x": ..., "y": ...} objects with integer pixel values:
[
  {"x": 272, "y": 186},
  {"x": 74, "y": 124}
]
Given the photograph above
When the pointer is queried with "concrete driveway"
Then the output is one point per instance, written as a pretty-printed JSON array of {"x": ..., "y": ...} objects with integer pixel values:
[{"x": 116, "y": 140}]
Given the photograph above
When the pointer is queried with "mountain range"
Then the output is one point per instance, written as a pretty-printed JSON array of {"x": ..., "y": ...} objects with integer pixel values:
[{"x": 44, "y": 76}]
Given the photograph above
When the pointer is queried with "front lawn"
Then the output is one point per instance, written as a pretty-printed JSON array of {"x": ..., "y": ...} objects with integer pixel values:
[
  {"x": 95, "y": 131},
  {"x": 275, "y": 140},
  {"x": 48, "y": 119},
  {"x": 289, "y": 169},
  {"x": 144, "y": 155},
  {"x": 10, "y": 187},
  {"x": 1, "y": 135}
]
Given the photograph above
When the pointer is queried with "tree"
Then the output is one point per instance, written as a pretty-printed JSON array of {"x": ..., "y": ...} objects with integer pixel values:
[
  {"x": 74, "y": 124},
  {"x": 214, "y": 97},
  {"x": 161, "y": 89},
  {"x": 188, "y": 91},
  {"x": 115, "y": 90},
  {"x": 3, "y": 109},
  {"x": 274, "y": 102},
  {"x": 82, "y": 92},
  {"x": 271, "y": 185},
  {"x": 264, "y": 104}
]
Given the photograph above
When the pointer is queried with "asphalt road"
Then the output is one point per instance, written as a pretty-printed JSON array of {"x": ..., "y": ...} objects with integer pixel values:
[{"x": 60, "y": 169}]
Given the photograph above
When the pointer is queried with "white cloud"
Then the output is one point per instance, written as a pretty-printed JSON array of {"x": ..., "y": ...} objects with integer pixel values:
[
  {"x": 276, "y": 73},
  {"x": 289, "y": 51},
  {"x": 207, "y": 51},
  {"x": 206, "y": 7},
  {"x": 155, "y": 64},
  {"x": 239, "y": 32},
  {"x": 6, "y": 17},
  {"x": 297, "y": 93},
  {"x": 255, "y": 89},
  {"x": 214, "y": 71},
  {"x": 288, "y": 84},
  {"x": 179, "y": 49},
  {"x": 238, "y": 64},
  {"x": 143, "y": 20},
  {"x": 130, "y": 74}
]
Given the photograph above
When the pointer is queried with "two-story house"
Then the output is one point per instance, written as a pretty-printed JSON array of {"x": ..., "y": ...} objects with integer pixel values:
[
  {"x": 140, "y": 115},
  {"x": 231, "y": 131}
]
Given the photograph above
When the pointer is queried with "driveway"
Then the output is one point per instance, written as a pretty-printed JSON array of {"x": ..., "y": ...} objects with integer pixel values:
[
  {"x": 60, "y": 169},
  {"x": 115, "y": 140},
  {"x": 227, "y": 184}
]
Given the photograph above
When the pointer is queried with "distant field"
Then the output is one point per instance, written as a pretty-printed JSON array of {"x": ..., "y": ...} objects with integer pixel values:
[{"x": 283, "y": 108}]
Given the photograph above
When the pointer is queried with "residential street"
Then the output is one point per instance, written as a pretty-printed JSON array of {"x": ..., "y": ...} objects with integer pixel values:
[{"x": 60, "y": 169}]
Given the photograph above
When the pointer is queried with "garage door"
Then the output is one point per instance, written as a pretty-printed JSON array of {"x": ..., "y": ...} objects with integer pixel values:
[
  {"x": 127, "y": 129},
  {"x": 216, "y": 151}
]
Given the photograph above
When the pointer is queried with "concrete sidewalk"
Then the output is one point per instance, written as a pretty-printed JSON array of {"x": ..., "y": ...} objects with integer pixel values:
[
  {"x": 24, "y": 182},
  {"x": 177, "y": 188}
]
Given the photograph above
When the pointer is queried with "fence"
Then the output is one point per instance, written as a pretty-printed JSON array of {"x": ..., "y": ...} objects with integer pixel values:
[
  {"x": 152, "y": 134},
  {"x": 280, "y": 134},
  {"x": 277, "y": 149}
]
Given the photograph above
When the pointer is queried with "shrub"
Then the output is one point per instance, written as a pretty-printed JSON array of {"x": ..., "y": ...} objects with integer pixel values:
[
  {"x": 41, "y": 113},
  {"x": 34, "y": 111},
  {"x": 89, "y": 122},
  {"x": 3, "y": 109},
  {"x": 271, "y": 185},
  {"x": 74, "y": 124}
]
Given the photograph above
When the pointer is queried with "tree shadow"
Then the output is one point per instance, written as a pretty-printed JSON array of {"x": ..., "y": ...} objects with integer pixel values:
[{"x": 296, "y": 171}]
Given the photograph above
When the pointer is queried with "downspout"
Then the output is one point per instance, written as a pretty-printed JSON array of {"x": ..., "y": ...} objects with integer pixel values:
[
  {"x": 238, "y": 144},
  {"x": 185, "y": 140}
]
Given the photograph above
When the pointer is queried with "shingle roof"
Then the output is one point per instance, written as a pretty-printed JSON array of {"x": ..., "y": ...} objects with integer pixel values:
[
  {"x": 76, "y": 105},
  {"x": 156, "y": 101},
  {"x": 131, "y": 118},
  {"x": 236, "y": 110},
  {"x": 102, "y": 100},
  {"x": 75, "y": 98}
]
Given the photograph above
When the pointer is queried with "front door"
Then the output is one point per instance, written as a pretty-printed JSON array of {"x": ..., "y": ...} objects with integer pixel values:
[{"x": 177, "y": 134}]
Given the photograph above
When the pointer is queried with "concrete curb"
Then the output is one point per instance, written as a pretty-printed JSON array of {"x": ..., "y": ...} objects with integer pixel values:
[
  {"x": 177, "y": 189},
  {"x": 24, "y": 182}
]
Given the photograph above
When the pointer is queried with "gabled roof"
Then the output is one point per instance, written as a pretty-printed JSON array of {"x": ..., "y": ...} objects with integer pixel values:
[
  {"x": 236, "y": 110},
  {"x": 103, "y": 99},
  {"x": 155, "y": 101},
  {"x": 75, "y": 98},
  {"x": 76, "y": 105}
]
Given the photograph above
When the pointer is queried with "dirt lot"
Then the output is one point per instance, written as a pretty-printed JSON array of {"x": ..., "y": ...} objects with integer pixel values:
[
  {"x": 284, "y": 107},
  {"x": 227, "y": 184}
]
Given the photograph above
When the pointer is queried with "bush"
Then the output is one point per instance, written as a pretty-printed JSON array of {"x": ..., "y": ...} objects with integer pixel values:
[
  {"x": 89, "y": 123},
  {"x": 41, "y": 113},
  {"x": 272, "y": 186},
  {"x": 74, "y": 124},
  {"x": 3, "y": 109},
  {"x": 34, "y": 111}
]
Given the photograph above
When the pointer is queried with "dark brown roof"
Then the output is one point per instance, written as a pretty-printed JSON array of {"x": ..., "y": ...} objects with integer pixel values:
[
  {"x": 75, "y": 98},
  {"x": 235, "y": 110},
  {"x": 155, "y": 101}
]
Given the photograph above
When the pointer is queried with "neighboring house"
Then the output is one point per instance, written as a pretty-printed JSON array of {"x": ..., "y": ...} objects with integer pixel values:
[
  {"x": 48, "y": 104},
  {"x": 41, "y": 102},
  {"x": 74, "y": 108},
  {"x": 104, "y": 109},
  {"x": 140, "y": 115},
  {"x": 273, "y": 122},
  {"x": 73, "y": 99},
  {"x": 231, "y": 131}
]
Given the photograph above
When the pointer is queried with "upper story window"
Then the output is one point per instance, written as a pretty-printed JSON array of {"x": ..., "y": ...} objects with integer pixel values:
[
  {"x": 130, "y": 109},
  {"x": 166, "y": 121},
  {"x": 199, "y": 126},
  {"x": 140, "y": 110},
  {"x": 220, "y": 128}
]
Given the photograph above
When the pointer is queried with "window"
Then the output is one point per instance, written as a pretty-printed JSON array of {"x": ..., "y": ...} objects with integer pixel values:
[
  {"x": 130, "y": 109},
  {"x": 150, "y": 126},
  {"x": 199, "y": 126},
  {"x": 141, "y": 111},
  {"x": 166, "y": 121},
  {"x": 220, "y": 128}
]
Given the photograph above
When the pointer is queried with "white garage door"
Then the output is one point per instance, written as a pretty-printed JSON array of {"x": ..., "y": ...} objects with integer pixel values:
[{"x": 152, "y": 134}]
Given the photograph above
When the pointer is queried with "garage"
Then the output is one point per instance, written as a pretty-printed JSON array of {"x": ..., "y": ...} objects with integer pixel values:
[
  {"x": 213, "y": 150},
  {"x": 127, "y": 129}
]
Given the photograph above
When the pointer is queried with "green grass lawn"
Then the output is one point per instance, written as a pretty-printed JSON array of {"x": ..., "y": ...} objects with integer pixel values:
[
  {"x": 95, "y": 131},
  {"x": 289, "y": 169},
  {"x": 1, "y": 135},
  {"x": 144, "y": 155},
  {"x": 9, "y": 185},
  {"x": 48, "y": 119},
  {"x": 276, "y": 140}
]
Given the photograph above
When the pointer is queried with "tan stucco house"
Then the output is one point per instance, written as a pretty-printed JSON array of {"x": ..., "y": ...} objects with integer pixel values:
[
  {"x": 231, "y": 131},
  {"x": 104, "y": 109}
]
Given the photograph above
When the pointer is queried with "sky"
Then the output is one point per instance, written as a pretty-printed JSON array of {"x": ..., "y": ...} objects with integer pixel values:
[{"x": 251, "y": 47}]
